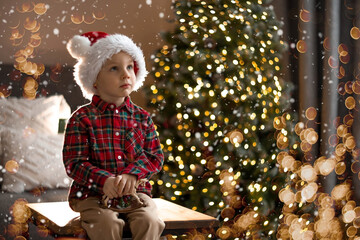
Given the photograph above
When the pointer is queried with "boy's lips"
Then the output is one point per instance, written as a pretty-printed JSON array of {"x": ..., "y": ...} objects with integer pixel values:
[{"x": 125, "y": 86}]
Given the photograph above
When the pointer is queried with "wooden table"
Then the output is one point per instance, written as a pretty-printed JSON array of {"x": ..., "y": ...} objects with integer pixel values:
[{"x": 64, "y": 223}]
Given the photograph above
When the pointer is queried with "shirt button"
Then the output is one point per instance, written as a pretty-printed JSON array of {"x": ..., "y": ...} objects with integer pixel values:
[
  {"x": 116, "y": 111},
  {"x": 111, "y": 106},
  {"x": 119, "y": 157},
  {"x": 117, "y": 134}
]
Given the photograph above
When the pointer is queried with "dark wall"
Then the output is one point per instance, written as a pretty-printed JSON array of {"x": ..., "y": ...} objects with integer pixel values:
[{"x": 55, "y": 80}]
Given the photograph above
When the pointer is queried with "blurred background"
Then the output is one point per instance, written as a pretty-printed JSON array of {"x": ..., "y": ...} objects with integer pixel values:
[{"x": 280, "y": 163}]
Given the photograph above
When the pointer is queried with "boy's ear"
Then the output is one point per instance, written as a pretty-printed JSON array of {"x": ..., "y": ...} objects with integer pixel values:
[{"x": 95, "y": 85}]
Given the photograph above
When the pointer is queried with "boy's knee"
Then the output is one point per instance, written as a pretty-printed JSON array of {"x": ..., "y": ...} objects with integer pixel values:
[
  {"x": 103, "y": 219},
  {"x": 152, "y": 221},
  {"x": 110, "y": 218}
]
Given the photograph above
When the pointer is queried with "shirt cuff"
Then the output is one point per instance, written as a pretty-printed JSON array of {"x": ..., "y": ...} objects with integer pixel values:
[
  {"x": 101, "y": 181},
  {"x": 132, "y": 169}
]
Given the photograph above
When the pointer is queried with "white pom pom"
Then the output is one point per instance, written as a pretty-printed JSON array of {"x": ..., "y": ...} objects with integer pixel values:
[{"x": 78, "y": 46}]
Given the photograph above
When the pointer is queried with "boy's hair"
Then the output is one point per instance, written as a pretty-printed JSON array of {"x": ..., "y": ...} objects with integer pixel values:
[{"x": 92, "y": 49}]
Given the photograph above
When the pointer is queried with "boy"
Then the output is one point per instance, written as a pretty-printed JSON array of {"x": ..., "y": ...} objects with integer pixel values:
[{"x": 111, "y": 144}]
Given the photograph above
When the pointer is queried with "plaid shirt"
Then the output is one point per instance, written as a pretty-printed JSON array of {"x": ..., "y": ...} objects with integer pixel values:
[{"x": 103, "y": 140}]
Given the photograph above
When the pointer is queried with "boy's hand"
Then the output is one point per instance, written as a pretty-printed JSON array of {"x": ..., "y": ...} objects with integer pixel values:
[
  {"x": 127, "y": 184},
  {"x": 110, "y": 187}
]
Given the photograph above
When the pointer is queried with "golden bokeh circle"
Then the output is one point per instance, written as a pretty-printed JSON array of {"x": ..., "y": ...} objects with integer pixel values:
[
  {"x": 356, "y": 222},
  {"x": 348, "y": 87},
  {"x": 343, "y": 49},
  {"x": 333, "y": 140},
  {"x": 355, "y": 167},
  {"x": 326, "y": 202},
  {"x": 77, "y": 18},
  {"x": 298, "y": 197},
  {"x": 288, "y": 162},
  {"x": 5, "y": 91},
  {"x": 301, "y": 46},
  {"x": 302, "y": 135},
  {"x": 326, "y": 166},
  {"x": 278, "y": 123},
  {"x": 357, "y": 211},
  {"x": 350, "y": 142},
  {"x": 311, "y": 113},
  {"x": 340, "y": 149},
  {"x": 305, "y": 146},
  {"x": 89, "y": 19},
  {"x": 305, "y": 15},
  {"x": 25, "y": 7},
  {"x": 40, "y": 8},
  {"x": 355, "y": 152},
  {"x": 355, "y": 33},
  {"x": 344, "y": 59},
  {"x": 224, "y": 232},
  {"x": 351, "y": 231},
  {"x": 350, "y": 102},
  {"x": 341, "y": 88},
  {"x": 99, "y": 15},
  {"x": 30, "y": 24},
  {"x": 339, "y": 191},
  {"x": 340, "y": 168},
  {"x": 35, "y": 40},
  {"x": 312, "y": 137},
  {"x": 333, "y": 62},
  {"x": 282, "y": 141},
  {"x": 287, "y": 196},
  {"x": 327, "y": 213},
  {"x": 37, "y": 28},
  {"x": 12, "y": 166},
  {"x": 20, "y": 212},
  {"x": 356, "y": 87},
  {"x": 236, "y": 137},
  {"x": 341, "y": 72},
  {"x": 342, "y": 130},
  {"x": 309, "y": 192},
  {"x": 210, "y": 163},
  {"x": 228, "y": 212},
  {"x": 350, "y": 205},
  {"x": 308, "y": 173},
  {"x": 299, "y": 127},
  {"x": 31, "y": 85},
  {"x": 348, "y": 120},
  {"x": 326, "y": 44},
  {"x": 281, "y": 156}
]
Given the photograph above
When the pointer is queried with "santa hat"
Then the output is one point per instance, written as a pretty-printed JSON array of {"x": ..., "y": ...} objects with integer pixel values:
[{"x": 92, "y": 49}]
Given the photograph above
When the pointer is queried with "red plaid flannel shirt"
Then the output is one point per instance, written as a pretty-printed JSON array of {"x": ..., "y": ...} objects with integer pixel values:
[{"x": 103, "y": 140}]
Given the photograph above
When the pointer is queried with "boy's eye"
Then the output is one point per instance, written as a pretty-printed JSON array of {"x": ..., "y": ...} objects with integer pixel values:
[
  {"x": 113, "y": 69},
  {"x": 130, "y": 67}
]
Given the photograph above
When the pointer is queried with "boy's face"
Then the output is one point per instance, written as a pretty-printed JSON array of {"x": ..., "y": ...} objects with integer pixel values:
[{"x": 116, "y": 78}]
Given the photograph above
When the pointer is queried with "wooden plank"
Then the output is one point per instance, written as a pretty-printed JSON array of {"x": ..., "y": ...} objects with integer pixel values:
[
  {"x": 62, "y": 220},
  {"x": 179, "y": 217},
  {"x": 58, "y": 213}
]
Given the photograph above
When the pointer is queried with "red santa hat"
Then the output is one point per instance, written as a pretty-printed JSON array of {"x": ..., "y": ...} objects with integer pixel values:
[{"x": 92, "y": 49}]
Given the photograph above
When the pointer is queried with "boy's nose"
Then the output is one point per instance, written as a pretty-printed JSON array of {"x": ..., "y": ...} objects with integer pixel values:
[{"x": 126, "y": 75}]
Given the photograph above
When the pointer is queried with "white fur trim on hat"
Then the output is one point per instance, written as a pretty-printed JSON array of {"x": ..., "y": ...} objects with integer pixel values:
[{"x": 92, "y": 58}]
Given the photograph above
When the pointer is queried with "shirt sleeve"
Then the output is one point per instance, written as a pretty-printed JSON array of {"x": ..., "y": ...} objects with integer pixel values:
[
  {"x": 151, "y": 160},
  {"x": 76, "y": 157}
]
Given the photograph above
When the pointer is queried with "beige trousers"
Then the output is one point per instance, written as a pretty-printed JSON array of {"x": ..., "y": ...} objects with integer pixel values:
[{"x": 105, "y": 224}]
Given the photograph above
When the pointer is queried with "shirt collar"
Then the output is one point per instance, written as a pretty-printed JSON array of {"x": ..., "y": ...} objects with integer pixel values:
[{"x": 102, "y": 105}]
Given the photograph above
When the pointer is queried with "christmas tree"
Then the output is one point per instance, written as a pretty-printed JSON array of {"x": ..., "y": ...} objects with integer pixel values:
[{"x": 218, "y": 103}]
